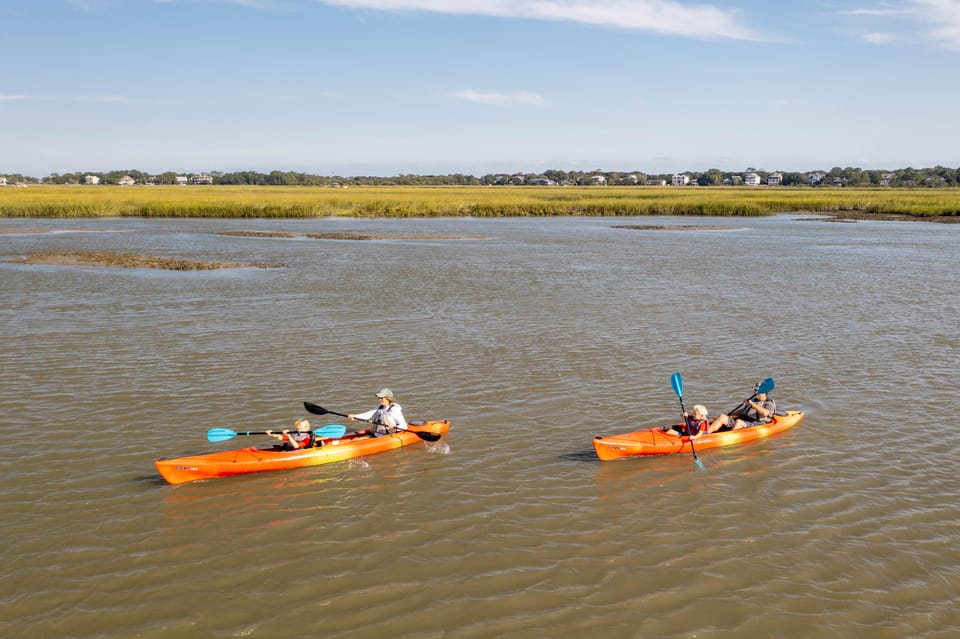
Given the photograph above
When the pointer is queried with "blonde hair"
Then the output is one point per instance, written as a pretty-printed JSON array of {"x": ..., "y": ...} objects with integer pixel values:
[
  {"x": 302, "y": 422},
  {"x": 700, "y": 409}
]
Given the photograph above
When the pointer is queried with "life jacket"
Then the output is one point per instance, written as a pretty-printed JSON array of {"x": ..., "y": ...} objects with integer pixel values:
[
  {"x": 303, "y": 440},
  {"x": 695, "y": 425},
  {"x": 378, "y": 419},
  {"x": 751, "y": 415}
]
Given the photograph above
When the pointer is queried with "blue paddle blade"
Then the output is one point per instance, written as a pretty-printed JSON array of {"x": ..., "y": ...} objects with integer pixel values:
[
  {"x": 220, "y": 434},
  {"x": 765, "y": 386},
  {"x": 332, "y": 431},
  {"x": 677, "y": 382}
]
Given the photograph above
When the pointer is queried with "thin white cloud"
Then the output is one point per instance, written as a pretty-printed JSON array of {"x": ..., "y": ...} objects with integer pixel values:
[
  {"x": 99, "y": 5},
  {"x": 661, "y": 16},
  {"x": 874, "y": 12},
  {"x": 879, "y": 38},
  {"x": 524, "y": 98},
  {"x": 86, "y": 99},
  {"x": 943, "y": 15},
  {"x": 107, "y": 99}
]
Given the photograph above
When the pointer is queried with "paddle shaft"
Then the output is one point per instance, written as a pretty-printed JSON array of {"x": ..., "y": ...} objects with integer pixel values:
[
  {"x": 320, "y": 410},
  {"x": 677, "y": 382},
  {"x": 686, "y": 422},
  {"x": 331, "y": 431}
]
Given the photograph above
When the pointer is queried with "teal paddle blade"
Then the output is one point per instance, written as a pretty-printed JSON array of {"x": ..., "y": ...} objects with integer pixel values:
[{"x": 331, "y": 431}]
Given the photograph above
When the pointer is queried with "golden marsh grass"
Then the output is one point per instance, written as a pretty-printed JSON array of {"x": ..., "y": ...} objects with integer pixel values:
[{"x": 58, "y": 201}]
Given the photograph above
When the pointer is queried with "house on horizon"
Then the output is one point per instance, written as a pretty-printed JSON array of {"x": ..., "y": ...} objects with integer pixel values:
[
  {"x": 3, "y": 181},
  {"x": 680, "y": 179},
  {"x": 202, "y": 178},
  {"x": 541, "y": 181},
  {"x": 126, "y": 180},
  {"x": 751, "y": 179},
  {"x": 775, "y": 179},
  {"x": 91, "y": 179}
]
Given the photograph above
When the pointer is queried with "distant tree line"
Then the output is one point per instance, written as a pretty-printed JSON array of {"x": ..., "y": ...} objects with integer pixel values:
[{"x": 935, "y": 177}]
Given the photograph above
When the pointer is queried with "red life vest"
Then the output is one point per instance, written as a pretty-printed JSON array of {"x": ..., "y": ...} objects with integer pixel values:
[{"x": 300, "y": 440}]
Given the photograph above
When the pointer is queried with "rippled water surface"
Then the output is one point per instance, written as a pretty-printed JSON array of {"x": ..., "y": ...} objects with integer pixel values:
[{"x": 532, "y": 340}]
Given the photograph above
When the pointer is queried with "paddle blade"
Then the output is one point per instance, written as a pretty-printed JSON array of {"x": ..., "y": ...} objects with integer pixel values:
[
  {"x": 677, "y": 382},
  {"x": 765, "y": 386},
  {"x": 316, "y": 410},
  {"x": 220, "y": 434},
  {"x": 332, "y": 431},
  {"x": 427, "y": 437}
]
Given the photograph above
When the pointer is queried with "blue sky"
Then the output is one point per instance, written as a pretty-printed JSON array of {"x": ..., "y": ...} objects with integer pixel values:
[{"x": 384, "y": 87}]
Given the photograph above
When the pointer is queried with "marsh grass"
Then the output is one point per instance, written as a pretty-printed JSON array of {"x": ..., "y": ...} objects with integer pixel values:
[{"x": 481, "y": 201}]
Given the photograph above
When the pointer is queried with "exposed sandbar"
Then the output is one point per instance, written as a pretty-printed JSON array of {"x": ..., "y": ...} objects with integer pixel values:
[
  {"x": 682, "y": 227},
  {"x": 132, "y": 260}
]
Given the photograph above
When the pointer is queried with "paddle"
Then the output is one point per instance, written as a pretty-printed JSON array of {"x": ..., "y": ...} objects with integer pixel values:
[
  {"x": 333, "y": 431},
  {"x": 762, "y": 388},
  {"x": 320, "y": 410},
  {"x": 677, "y": 382}
]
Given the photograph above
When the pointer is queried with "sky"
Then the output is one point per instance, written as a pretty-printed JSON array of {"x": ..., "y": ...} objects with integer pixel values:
[{"x": 390, "y": 87}]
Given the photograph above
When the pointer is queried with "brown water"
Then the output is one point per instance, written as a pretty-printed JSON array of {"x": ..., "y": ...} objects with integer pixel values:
[{"x": 532, "y": 342}]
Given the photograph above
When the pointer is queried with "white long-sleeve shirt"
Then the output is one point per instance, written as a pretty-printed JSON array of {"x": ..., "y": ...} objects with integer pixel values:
[{"x": 388, "y": 416}]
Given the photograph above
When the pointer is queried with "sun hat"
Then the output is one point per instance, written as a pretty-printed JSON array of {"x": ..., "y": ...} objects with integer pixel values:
[{"x": 385, "y": 392}]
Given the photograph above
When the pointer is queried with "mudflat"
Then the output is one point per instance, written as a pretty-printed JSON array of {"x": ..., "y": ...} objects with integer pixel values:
[{"x": 132, "y": 260}]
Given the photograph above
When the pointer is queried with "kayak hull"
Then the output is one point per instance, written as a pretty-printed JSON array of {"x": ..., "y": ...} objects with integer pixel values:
[
  {"x": 243, "y": 461},
  {"x": 653, "y": 441}
]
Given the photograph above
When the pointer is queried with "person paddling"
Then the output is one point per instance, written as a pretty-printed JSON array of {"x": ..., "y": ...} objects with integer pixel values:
[
  {"x": 757, "y": 410},
  {"x": 696, "y": 423},
  {"x": 387, "y": 417},
  {"x": 300, "y": 438}
]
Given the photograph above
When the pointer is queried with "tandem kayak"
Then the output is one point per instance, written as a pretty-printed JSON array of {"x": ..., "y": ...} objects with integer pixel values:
[
  {"x": 653, "y": 441},
  {"x": 258, "y": 460}
]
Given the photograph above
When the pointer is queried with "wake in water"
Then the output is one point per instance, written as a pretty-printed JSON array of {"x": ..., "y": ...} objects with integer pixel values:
[
  {"x": 358, "y": 464},
  {"x": 438, "y": 448}
]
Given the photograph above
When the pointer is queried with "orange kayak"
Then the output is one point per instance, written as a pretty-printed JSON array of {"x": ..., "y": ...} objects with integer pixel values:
[
  {"x": 653, "y": 441},
  {"x": 258, "y": 460}
]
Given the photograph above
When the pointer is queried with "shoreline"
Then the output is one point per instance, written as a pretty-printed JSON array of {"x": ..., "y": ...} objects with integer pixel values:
[{"x": 222, "y": 202}]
